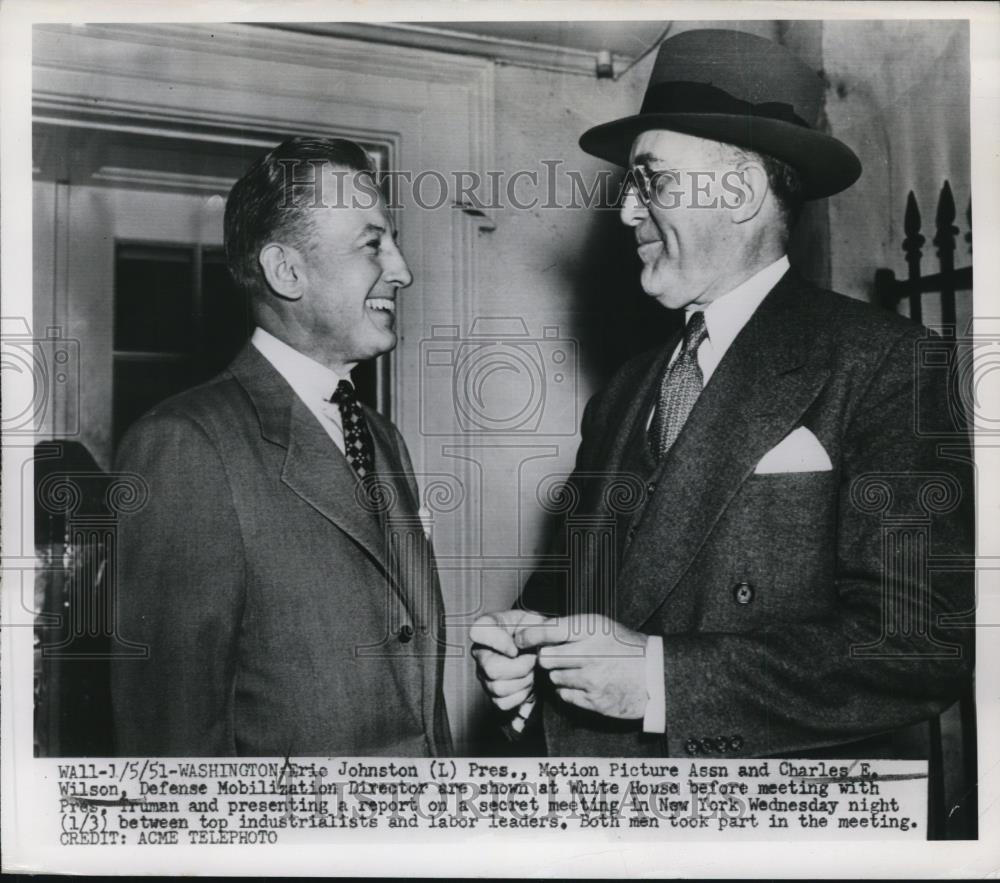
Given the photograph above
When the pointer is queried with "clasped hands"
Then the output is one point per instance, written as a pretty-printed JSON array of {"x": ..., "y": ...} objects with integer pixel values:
[{"x": 592, "y": 661}]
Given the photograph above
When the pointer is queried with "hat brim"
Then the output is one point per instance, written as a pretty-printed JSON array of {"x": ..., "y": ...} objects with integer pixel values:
[{"x": 825, "y": 165}]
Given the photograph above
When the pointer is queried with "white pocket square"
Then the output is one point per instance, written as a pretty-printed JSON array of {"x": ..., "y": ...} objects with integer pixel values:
[{"x": 799, "y": 451}]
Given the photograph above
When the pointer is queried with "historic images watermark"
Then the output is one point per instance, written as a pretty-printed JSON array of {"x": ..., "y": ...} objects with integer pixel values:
[{"x": 550, "y": 185}]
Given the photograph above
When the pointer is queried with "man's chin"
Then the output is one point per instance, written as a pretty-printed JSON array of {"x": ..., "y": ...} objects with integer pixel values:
[
  {"x": 387, "y": 343},
  {"x": 655, "y": 288},
  {"x": 375, "y": 343},
  {"x": 384, "y": 326}
]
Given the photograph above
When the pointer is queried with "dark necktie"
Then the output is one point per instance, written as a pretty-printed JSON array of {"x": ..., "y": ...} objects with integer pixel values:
[
  {"x": 679, "y": 389},
  {"x": 358, "y": 445}
]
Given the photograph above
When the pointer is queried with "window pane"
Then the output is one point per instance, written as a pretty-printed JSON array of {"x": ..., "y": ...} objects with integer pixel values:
[{"x": 154, "y": 298}]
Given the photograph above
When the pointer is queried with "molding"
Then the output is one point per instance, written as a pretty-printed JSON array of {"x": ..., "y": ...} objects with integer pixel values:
[
  {"x": 79, "y": 111},
  {"x": 238, "y": 84},
  {"x": 482, "y": 131},
  {"x": 163, "y": 180},
  {"x": 152, "y": 120},
  {"x": 468, "y": 225},
  {"x": 115, "y": 51},
  {"x": 62, "y": 418},
  {"x": 517, "y": 53},
  {"x": 266, "y": 43}
]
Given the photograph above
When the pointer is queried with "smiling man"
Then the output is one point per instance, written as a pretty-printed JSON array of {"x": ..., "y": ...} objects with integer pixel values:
[
  {"x": 742, "y": 596},
  {"x": 260, "y": 574}
]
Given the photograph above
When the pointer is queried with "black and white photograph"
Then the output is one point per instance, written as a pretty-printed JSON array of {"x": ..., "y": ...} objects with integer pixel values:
[{"x": 568, "y": 427}]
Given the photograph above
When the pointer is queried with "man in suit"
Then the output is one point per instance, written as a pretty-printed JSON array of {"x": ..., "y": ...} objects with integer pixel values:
[
  {"x": 752, "y": 592},
  {"x": 266, "y": 573}
]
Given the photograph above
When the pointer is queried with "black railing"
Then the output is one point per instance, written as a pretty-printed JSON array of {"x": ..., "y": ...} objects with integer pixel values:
[{"x": 948, "y": 281}]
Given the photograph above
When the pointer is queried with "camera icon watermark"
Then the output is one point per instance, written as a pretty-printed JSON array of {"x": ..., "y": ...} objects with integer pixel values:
[
  {"x": 498, "y": 379},
  {"x": 40, "y": 373},
  {"x": 970, "y": 365}
]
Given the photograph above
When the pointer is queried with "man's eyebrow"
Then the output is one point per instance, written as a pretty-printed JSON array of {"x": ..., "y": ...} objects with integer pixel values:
[
  {"x": 368, "y": 229},
  {"x": 644, "y": 159},
  {"x": 378, "y": 230}
]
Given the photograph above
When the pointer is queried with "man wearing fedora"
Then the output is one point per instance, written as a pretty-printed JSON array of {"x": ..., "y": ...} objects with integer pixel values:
[{"x": 744, "y": 596}]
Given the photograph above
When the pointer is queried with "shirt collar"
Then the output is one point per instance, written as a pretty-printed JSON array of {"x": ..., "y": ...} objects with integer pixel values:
[
  {"x": 726, "y": 315},
  {"x": 312, "y": 382}
]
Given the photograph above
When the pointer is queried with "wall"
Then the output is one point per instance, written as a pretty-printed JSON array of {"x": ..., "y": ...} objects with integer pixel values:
[
  {"x": 899, "y": 95},
  {"x": 572, "y": 271}
]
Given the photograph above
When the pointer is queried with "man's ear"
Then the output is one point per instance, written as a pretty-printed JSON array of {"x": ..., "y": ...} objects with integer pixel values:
[
  {"x": 284, "y": 270},
  {"x": 752, "y": 187}
]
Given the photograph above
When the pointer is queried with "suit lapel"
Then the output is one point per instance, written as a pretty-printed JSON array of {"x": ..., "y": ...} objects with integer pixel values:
[
  {"x": 311, "y": 468},
  {"x": 389, "y": 467},
  {"x": 320, "y": 476},
  {"x": 768, "y": 378},
  {"x": 325, "y": 480},
  {"x": 411, "y": 558}
]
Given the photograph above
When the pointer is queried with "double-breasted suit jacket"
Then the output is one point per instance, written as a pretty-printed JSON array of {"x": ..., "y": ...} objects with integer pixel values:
[
  {"x": 797, "y": 609},
  {"x": 278, "y": 620}
]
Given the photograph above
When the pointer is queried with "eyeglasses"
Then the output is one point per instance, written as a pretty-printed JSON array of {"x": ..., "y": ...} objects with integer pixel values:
[{"x": 647, "y": 182}]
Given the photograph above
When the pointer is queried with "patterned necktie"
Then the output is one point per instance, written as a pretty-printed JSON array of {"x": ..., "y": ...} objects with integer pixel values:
[
  {"x": 679, "y": 389},
  {"x": 358, "y": 445}
]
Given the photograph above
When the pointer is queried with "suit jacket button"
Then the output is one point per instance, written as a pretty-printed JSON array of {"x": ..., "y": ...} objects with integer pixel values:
[
  {"x": 708, "y": 745},
  {"x": 743, "y": 592},
  {"x": 405, "y": 634},
  {"x": 691, "y": 746},
  {"x": 736, "y": 742}
]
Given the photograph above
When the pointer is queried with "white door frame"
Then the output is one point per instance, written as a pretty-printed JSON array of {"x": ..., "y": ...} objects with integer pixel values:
[
  {"x": 231, "y": 81},
  {"x": 236, "y": 83}
]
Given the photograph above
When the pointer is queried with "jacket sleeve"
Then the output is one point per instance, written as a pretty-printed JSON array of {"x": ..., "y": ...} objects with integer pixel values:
[
  {"x": 180, "y": 596},
  {"x": 897, "y": 648}
]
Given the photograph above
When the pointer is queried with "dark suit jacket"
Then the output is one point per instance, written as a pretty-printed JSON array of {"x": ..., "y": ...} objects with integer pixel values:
[
  {"x": 276, "y": 620},
  {"x": 770, "y": 590}
]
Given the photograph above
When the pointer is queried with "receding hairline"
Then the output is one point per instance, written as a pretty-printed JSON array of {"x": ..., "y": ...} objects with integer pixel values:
[{"x": 340, "y": 173}]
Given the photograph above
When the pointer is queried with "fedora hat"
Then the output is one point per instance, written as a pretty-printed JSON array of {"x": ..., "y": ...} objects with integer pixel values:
[{"x": 741, "y": 89}]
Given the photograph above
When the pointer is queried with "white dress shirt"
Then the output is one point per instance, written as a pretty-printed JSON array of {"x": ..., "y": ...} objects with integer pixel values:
[
  {"x": 312, "y": 382},
  {"x": 724, "y": 319}
]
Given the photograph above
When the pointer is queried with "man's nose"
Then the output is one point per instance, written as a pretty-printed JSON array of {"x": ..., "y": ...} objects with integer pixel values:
[
  {"x": 633, "y": 211},
  {"x": 396, "y": 271}
]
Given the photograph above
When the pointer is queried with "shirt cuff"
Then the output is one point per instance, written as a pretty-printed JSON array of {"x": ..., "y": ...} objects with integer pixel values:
[{"x": 655, "y": 719}]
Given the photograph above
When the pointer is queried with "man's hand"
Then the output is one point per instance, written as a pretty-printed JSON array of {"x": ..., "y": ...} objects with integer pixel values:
[
  {"x": 505, "y": 672},
  {"x": 593, "y": 662}
]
